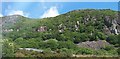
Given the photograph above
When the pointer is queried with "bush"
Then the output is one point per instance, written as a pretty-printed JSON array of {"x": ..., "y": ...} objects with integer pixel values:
[
  {"x": 101, "y": 35},
  {"x": 108, "y": 48},
  {"x": 118, "y": 50},
  {"x": 66, "y": 44},
  {"x": 51, "y": 43},
  {"x": 67, "y": 52},
  {"x": 85, "y": 51},
  {"x": 114, "y": 39},
  {"x": 8, "y": 49}
]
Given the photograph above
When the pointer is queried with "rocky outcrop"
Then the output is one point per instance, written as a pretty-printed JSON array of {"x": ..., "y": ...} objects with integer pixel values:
[
  {"x": 112, "y": 25},
  {"x": 41, "y": 29},
  {"x": 8, "y": 21},
  {"x": 94, "y": 44},
  {"x": 112, "y": 22}
]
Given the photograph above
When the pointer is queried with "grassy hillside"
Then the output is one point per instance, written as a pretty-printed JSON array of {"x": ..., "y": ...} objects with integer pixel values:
[{"x": 64, "y": 34}]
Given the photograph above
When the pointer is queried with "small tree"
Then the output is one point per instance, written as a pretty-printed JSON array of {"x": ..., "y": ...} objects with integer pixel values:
[
  {"x": 101, "y": 35},
  {"x": 51, "y": 43}
]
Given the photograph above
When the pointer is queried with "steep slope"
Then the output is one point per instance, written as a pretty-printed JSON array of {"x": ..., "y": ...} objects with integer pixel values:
[
  {"x": 81, "y": 32},
  {"x": 77, "y": 26}
]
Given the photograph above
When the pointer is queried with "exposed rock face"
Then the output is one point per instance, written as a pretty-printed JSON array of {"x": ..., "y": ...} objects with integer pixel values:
[
  {"x": 118, "y": 20},
  {"x": 112, "y": 25},
  {"x": 8, "y": 21},
  {"x": 106, "y": 30},
  {"x": 42, "y": 29},
  {"x": 118, "y": 28},
  {"x": 94, "y": 44},
  {"x": 61, "y": 28}
]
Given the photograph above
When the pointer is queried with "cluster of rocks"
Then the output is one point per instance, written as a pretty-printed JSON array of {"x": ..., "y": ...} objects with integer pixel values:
[{"x": 94, "y": 44}]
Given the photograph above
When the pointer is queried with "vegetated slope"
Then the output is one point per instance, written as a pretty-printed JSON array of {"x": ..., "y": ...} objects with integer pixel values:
[
  {"x": 68, "y": 29},
  {"x": 86, "y": 23}
]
